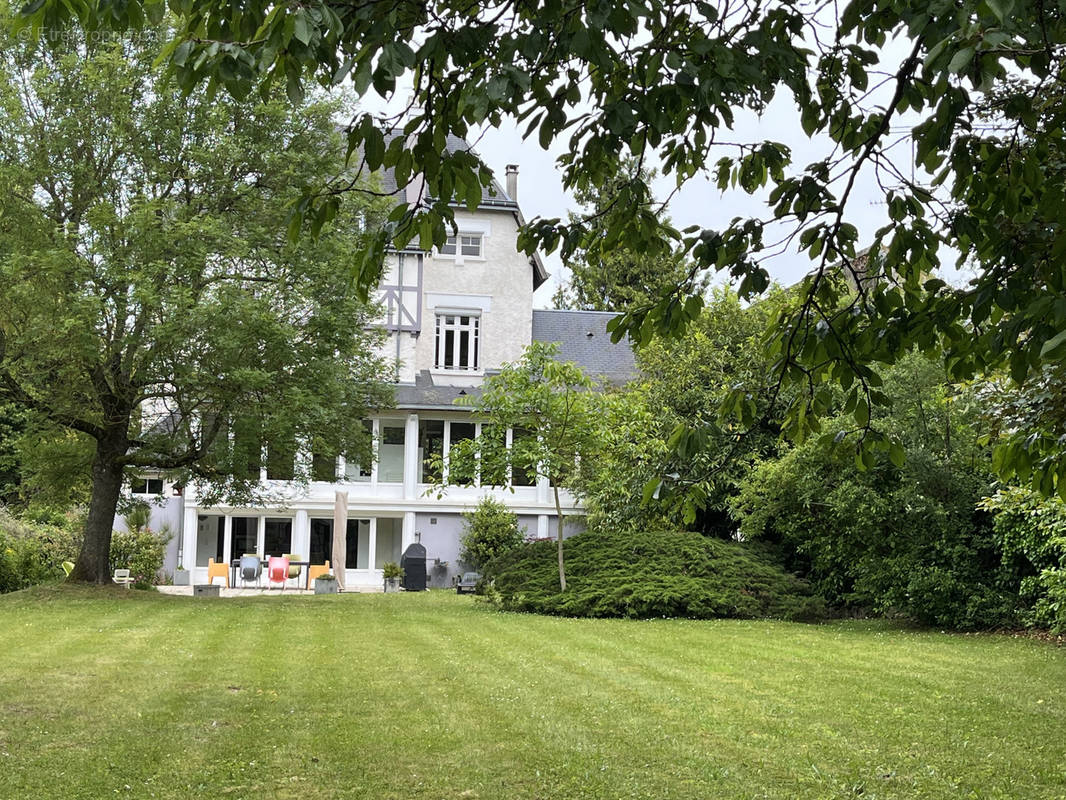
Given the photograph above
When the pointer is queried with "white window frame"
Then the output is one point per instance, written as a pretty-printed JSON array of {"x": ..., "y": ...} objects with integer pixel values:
[
  {"x": 464, "y": 245},
  {"x": 147, "y": 480},
  {"x": 442, "y": 329}
]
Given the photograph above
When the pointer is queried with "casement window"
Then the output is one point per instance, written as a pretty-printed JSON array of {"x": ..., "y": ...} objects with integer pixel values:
[
  {"x": 146, "y": 486},
  {"x": 466, "y": 244},
  {"x": 458, "y": 342}
]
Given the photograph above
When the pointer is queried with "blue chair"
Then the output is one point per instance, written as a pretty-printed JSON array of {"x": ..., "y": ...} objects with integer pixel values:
[{"x": 251, "y": 569}]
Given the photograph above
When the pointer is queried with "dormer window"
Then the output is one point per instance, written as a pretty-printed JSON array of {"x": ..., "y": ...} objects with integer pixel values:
[
  {"x": 457, "y": 342},
  {"x": 467, "y": 244}
]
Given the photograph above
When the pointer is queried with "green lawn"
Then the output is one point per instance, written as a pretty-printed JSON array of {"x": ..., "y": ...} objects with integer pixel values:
[{"x": 134, "y": 694}]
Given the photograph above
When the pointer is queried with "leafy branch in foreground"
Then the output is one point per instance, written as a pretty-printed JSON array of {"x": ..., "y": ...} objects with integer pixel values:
[{"x": 667, "y": 82}]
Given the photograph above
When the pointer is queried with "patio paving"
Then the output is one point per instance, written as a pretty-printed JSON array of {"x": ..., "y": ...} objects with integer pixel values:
[{"x": 241, "y": 591}]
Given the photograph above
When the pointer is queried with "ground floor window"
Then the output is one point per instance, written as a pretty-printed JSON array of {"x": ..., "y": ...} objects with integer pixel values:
[
  {"x": 357, "y": 542},
  {"x": 389, "y": 541},
  {"x": 244, "y": 536},
  {"x": 210, "y": 536},
  {"x": 277, "y": 537}
]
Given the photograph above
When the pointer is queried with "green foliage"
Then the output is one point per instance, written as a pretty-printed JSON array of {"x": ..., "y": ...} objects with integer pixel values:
[
  {"x": 490, "y": 530},
  {"x": 1028, "y": 422},
  {"x": 391, "y": 570},
  {"x": 887, "y": 534},
  {"x": 141, "y": 550},
  {"x": 666, "y": 457},
  {"x": 668, "y": 82},
  {"x": 554, "y": 404},
  {"x": 32, "y": 553},
  {"x": 12, "y": 424},
  {"x": 1032, "y": 531},
  {"x": 149, "y": 305},
  {"x": 644, "y": 574},
  {"x": 617, "y": 278}
]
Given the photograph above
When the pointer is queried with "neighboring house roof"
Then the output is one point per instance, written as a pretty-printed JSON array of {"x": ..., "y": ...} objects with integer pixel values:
[
  {"x": 493, "y": 197},
  {"x": 583, "y": 339}
]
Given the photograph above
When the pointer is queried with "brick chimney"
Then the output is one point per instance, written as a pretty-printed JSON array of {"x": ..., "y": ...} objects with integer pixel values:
[{"x": 512, "y": 181}]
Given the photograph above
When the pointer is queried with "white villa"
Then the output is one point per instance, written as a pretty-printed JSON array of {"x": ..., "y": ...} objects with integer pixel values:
[{"x": 453, "y": 317}]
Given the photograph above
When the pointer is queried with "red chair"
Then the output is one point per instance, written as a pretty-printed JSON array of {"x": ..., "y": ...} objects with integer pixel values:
[{"x": 278, "y": 570}]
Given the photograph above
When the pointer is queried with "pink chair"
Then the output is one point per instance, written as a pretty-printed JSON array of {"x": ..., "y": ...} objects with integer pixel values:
[{"x": 278, "y": 570}]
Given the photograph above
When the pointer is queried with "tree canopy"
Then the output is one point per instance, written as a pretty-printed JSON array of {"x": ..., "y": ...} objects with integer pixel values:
[
  {"x": 554, "y": 415},
  {"x": 973, "y": 86},
  {"x": 151, "y": 307},
  {"x": 616, "y": 279}
]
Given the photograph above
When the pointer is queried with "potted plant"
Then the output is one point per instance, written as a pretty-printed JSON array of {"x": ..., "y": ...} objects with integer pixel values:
[
  {"x": 326, "y": 584},
  {"x": 392, "y": 572},
  {"x": 182, "y": 576}
]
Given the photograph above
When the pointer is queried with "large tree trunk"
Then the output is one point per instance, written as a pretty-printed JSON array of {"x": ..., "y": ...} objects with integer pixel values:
[
  {"x": 559, "y": 520},
  {"x": 93, "y": 564}
]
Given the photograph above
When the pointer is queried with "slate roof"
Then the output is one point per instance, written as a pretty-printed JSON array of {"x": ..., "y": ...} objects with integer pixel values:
[
  {"x": 423, "y": 393},
  {"x": 583, "y": 339}
]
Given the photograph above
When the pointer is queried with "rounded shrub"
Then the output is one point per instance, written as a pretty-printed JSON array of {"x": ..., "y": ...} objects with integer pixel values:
[
  {"x": 489, "y": 531},
  {"x": 650, "y": 574}
]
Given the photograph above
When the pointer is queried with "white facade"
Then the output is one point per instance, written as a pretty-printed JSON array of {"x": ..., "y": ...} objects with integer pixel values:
[{"x": 452, "y": 317}]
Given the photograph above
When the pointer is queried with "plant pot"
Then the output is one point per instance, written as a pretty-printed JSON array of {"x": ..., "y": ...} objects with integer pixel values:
[
  {"x": 326, "y": 587},
  {"x": 182, "y": 577},
  {"x": 392, "y": 584}
]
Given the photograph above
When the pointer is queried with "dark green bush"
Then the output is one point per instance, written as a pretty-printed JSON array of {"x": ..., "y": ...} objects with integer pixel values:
[{"x": 650, "y": 574}]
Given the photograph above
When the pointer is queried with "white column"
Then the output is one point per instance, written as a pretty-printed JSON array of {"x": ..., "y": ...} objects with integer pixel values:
[
  {"x": 260, "y": 538},
  {"x": 227, "y": 538},
  {"x": 190, "y": 525},
  {"x": 543, "y": 490},
  {"x": 542, "y": 526},
  {"x": 301, "y": 534},
  {"x": 407, "y": 536},
  {"x": 446, "y": 449},
  {"x": 410, "y": 458},
  {"x": 372, "y": 544}
]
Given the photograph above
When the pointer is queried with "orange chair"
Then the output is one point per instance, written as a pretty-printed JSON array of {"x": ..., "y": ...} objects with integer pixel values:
[
  {"x": 314, "y": 571},
  {"x": 217, "y": 571},
  {"x": 278, "y": 570}
]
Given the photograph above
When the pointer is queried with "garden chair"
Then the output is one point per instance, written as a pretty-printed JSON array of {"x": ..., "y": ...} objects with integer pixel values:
[
  {"x": 251, "y": 568},
  {"x": 314, "y": 571},
  {"x": 294, "y": 569},
  {"x": 122, "y": 577},
  {"x": 217, "y": 571},
  {"x": 278, "y": 571}
]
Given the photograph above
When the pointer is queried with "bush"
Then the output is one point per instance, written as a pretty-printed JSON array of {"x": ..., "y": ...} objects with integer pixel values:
[
  {"x": 141, "y": 550},
  {"x": 1032, "y": 530},
  {"x": 489, "y": 531},
  {"x": 650, "y": 574},
  {"x": 32, "y": 553},
  {"x": 907, "y": 541}
]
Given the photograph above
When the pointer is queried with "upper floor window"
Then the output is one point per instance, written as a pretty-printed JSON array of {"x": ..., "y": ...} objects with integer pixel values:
[
  {"x": 467, "y": 244},
  {"x": 457, "y": 341}
]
